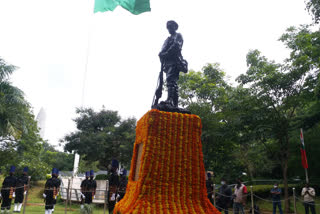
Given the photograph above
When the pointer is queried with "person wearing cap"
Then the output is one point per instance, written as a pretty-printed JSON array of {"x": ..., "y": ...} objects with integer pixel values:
[
  {"x": 209, "y": 185},
  {"x": 224, "y": 196},
  {"x": 57, "y": 184},
  {"x": 21, "y": 190},
  {"x": 50, "y": 192},
  {"x": 172, "y": 61},
  {"x": 8, "y": 190},
  {"x": 92, "y": 186},
  {"x": 113, "y": 185},
  {"x": 308, "y": 193},
  {"x": 122, "y": 184},
  {"x": 84, "y": 189}
]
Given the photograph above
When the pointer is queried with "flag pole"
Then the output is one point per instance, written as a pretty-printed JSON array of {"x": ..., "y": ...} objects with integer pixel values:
[
  {"x": 307, "y": 178},
  {"x": 303, "y": 144}
]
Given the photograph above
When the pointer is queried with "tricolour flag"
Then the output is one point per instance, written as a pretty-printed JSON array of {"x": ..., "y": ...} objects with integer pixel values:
[
  {"x": 303, "y": 152},
  {"x": 134, "y": 6}
]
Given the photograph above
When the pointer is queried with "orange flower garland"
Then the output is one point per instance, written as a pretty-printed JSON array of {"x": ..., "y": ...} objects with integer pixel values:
[{"x": 171, "y": 175}]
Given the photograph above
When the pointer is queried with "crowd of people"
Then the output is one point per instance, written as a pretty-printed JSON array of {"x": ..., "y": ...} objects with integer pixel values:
[
  {"x": 16, "y": 187},
  {"x": 226, "y": 198}
]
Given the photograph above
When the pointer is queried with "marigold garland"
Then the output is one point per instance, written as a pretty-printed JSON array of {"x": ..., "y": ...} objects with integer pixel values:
[{"x": 171, "y": 174}]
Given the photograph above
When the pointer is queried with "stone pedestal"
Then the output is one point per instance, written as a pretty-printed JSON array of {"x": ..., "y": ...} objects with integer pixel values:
[{"x": 167, "y": 173}]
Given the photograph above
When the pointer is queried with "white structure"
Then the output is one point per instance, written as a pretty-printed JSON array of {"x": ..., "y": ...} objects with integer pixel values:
[
  {"x": 76, "y": 164},
  {"x": 41, "y": 119}
]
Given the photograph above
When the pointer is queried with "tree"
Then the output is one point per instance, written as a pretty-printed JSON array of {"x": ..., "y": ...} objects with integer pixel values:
[
  {"x": 277, "y": 92},
  {"x": 102, "y": 136},
  {"x": 313, "y": 6}
]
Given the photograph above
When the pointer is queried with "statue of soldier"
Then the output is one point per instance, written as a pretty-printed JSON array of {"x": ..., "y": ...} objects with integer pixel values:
[{"x": 172, "y": 63}]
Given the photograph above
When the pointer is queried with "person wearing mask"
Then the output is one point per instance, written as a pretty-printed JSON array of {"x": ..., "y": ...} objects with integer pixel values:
[
  {"x": 239, "y": 197},
  {"x": 85, "y": 190},
  {"x": 308, "y": 194},
  {"x": 8, "y": 190},
  {"x": 21, "y": 190},
  {"x": 224, "y": 196},
  {"x": 276, "y": 193}
]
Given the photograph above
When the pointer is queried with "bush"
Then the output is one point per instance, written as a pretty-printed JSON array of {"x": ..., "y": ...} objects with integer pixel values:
[{"x": 102, "y": 177}]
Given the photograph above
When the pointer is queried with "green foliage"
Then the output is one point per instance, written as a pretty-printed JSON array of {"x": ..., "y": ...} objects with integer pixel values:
[
  {"x": 102, "y": 177},
  {"x": 87, "y": 209},
  {"x": 102, "y": 131},
  {"x": 313, "y": 6}
]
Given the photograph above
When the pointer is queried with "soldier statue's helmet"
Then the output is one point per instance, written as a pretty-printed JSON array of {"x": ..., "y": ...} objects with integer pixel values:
[
  {"x": 12, "y": 169},
  {"x": 91, "y": 172},
  {"x": 115, "y": 163},
  {"x": 175, "y": 24},
  {"x": 87, "y": 174}
]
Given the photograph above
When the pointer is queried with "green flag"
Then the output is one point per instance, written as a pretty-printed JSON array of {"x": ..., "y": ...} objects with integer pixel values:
[{"x": 134, "y": 6}]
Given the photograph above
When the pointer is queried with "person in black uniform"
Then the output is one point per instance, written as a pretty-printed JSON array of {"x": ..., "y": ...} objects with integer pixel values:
[
  {"x": 21, "y": 190},
  {"x": 122, "y": 184},
  {"x": 57, "y": 183},
  {"x": 209, "y": 185},
  {"x": 50, "y": 192},
  {"x": 113, "y": 185},
  {"x": 84, "y": 189},
  {"x": 92, "y": 185},
  {"x": 8, "y": 190}
]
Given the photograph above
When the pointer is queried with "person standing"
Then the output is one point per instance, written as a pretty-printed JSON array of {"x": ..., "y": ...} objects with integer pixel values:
[
  {"x": 50, "y": 192},
  {"x": 84, "y": 190},
  {"x": 92, "y": 185},
  {"x": 122, "y": 184},
  {"x": 209, "y": 185},
  {"x": 8, "y": 190},
  {"x": 276, "y": 193},
  {"x": 21, "y": 190},
  {"x": 224, "y": 196},
  {"x": 308, "y": 194},
  {"x": 239, "y": 197},
  {"x": 113, "y": 185},
  {"x": 57, "y": 184}
]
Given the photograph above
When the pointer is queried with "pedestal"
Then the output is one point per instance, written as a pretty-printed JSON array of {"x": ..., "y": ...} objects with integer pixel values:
[{"x": 167, "y": 173}]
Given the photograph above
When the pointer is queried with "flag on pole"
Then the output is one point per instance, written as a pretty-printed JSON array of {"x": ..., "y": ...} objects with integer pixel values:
[
  {"x": 134, "y": 6},
  {"x": 303, "y": 152}
]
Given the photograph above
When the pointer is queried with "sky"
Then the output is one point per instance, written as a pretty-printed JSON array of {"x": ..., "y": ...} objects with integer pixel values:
[{"x": 69, "y": 57}]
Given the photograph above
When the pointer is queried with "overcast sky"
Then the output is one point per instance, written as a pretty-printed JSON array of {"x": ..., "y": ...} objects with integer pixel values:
[{"x": 51, "y": 40}]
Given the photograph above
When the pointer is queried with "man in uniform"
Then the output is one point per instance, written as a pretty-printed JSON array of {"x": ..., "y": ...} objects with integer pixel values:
[
  {"x": 57, "y": 183},
  {"x": 224, "y": 196},
  {"x": 122, "y": 185},
  {"x": 84, "y": 189},
  {"x": 209, "y": 185},
  {"x": 113, "y": 185},
  {"x": 50, "y": 192},
  {"x": 8, "y": 190},
  {"x": 21, "y": 190},
  {"x": 92, "y": 185},
  {"x": 173, "y": 62}
]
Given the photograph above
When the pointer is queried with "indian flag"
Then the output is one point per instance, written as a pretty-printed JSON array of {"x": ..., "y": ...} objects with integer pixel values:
[
  {"x": 303, "y": 152},
  {"x": 134, "y": 6}
]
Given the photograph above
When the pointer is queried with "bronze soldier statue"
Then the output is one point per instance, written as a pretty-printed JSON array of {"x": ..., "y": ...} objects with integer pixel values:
[{"x": 172, "y": 63}]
